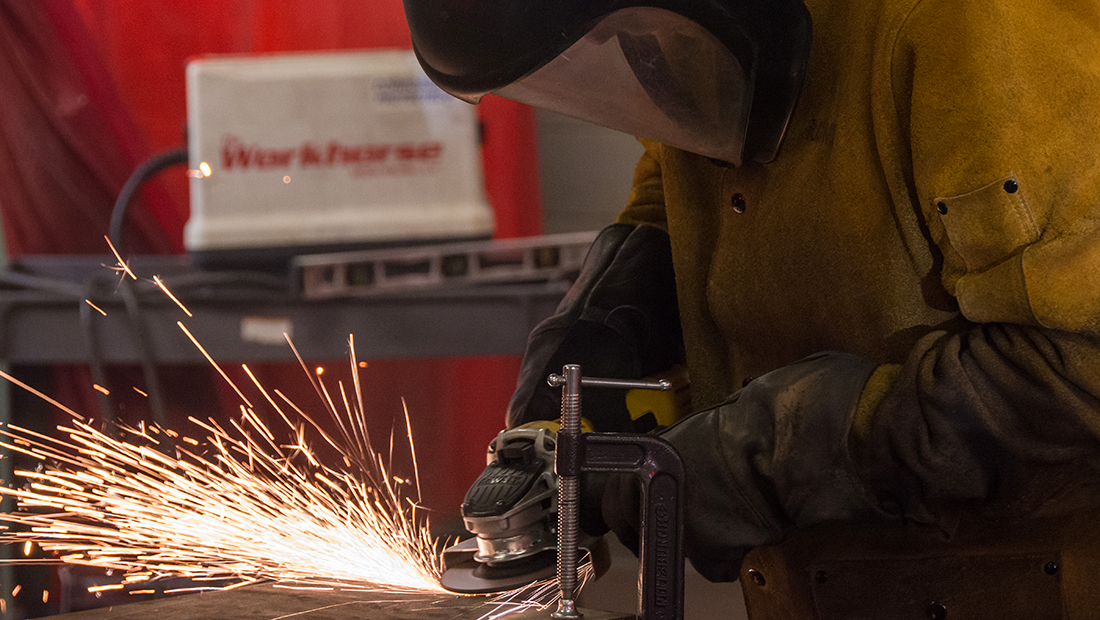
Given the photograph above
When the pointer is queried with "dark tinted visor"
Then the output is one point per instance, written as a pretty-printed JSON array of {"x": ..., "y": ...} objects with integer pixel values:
[{"x": 652, "y": 73}]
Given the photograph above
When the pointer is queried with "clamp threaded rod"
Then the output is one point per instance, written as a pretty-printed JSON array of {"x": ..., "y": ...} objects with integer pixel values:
[
  {"x": 568, "y": 466},
  {"x": 569, "y": 498}
]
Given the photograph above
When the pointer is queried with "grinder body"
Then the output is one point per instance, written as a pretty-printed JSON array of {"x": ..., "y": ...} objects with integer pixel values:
[{"x": 511, "y": 508}]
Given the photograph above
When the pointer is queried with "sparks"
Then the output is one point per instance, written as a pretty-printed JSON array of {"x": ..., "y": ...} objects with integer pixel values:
[
  {"x": 121, "y": 263},
  {"x": 250, "y": 509},
  {"x": 213, "y": 363},
  {"x": 41, "y": 395},
  {"x": 97, "y": 308},
  {"x": 241, "y": 505},
  {"x": 164, "y": 289},
  {"x": 249, "y": 503}
]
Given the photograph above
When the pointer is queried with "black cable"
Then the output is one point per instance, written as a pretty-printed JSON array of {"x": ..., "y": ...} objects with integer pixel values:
[
  {"x": 37, "y": 283},
  {"x": 141, "y": 174},
  {"x": 95, "y": 355},
  {"x": 146, "y": 170},
  {"x": 145, "y": 353}
]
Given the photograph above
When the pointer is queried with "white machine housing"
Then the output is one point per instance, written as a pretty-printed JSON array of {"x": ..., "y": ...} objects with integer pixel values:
[{"x": 299, "y": 153}]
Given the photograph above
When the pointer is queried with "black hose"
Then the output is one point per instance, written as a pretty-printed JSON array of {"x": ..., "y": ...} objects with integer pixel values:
[
  {"x": 146, "y": 170},
  {"x": 95, "y": 358}
]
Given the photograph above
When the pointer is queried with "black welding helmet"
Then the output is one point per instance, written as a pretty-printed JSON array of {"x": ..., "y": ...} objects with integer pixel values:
[{"x": 715, "y": 77}]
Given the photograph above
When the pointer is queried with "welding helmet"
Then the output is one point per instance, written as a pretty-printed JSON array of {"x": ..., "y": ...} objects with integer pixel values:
[{"x": 715, "y": 77}]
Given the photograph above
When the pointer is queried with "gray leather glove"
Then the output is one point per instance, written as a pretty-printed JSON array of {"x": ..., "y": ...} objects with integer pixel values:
[
  {"x": 619, "y": 320},
  {"x": 773, "y": 458}
]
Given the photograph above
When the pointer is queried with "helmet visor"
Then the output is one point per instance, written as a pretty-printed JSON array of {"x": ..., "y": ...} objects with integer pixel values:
[{"x": 651, "y": 73}]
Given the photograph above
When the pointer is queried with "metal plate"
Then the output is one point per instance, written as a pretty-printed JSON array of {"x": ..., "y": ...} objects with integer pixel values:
[{"x": 268, "y": 602}]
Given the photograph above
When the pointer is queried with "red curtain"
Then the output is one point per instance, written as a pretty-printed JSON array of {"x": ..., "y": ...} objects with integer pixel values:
[
  {"x": 68, "y": 142},
  {"x": 147, "y": 44},
  {"x": 92, "y": 87}
]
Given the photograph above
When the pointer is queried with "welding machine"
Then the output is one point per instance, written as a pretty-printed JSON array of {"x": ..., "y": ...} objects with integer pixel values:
[{"x": 292, "y": 154}]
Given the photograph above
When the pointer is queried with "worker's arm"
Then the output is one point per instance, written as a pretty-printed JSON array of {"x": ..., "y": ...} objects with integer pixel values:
[{"x": 1001, "y": 102}]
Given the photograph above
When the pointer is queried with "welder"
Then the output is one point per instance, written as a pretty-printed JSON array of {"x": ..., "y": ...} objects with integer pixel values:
[{"x": 871, "y": 231}]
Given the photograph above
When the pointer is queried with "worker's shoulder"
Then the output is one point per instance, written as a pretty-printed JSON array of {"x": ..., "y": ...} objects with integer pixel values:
[{"x": 978, "y": 15}]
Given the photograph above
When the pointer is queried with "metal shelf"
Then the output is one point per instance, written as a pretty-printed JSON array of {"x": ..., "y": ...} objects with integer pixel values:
[{"x": 239, "y": 316}]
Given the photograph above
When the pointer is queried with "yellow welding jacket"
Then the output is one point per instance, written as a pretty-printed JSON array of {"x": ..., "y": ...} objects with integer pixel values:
[{"x": 719, "y": 78}]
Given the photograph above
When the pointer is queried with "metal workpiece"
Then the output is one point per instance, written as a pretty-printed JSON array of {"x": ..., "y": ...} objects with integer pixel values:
[
  {"x": 656, "y": 464},
  {"x": 267, "y": 601}
]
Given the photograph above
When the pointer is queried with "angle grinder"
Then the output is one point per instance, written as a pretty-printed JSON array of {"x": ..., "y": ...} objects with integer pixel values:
[
  {"x": 524, "y": 508},
  {"x": 512, "y": 509}
]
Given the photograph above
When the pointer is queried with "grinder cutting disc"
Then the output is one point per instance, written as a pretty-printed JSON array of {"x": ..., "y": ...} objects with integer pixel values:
[{"x": 465, "y": 575}]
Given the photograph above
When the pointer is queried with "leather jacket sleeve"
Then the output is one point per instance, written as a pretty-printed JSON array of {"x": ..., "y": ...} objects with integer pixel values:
[
  {"x": 1002, "y": 414},
  {"x": 772, "y": 458}
]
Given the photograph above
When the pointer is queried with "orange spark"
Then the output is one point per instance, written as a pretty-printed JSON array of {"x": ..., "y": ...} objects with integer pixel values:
[
  {"x": 214, "y": 364},
  {"x": 98, "y": 309},
  {"x": 146, "y": 395},
  {"x": 121, "y": 263},
  {"x": 158, "y": 282},
  {"x": 100, "y": 388},
  {"x": 41, "y": 395}
]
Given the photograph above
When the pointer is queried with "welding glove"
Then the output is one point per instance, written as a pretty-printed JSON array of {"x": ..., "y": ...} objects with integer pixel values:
[
  {"x": 618, "y": 320},
  {"x": 774, "y": 457}
]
